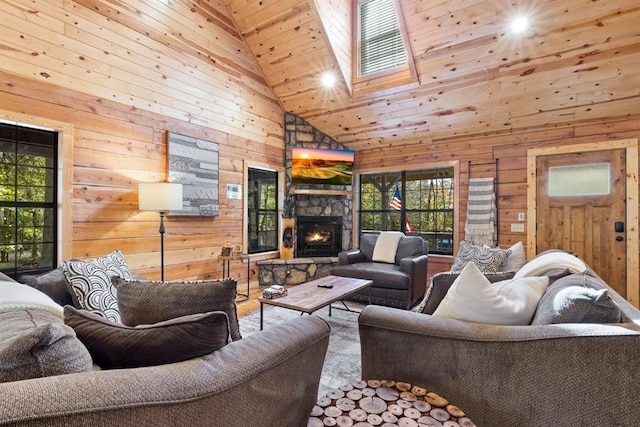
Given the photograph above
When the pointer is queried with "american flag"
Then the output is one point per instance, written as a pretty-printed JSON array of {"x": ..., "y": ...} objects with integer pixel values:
[{"x": 396, "y": 204}]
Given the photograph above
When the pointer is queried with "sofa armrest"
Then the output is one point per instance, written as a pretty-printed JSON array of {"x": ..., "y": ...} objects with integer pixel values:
[
  {"x": 416, "y": 268},
  {"x": 268, "y": 378},
  {"x": 350, "y": 257},
  {"x": 509, "y": 375}
]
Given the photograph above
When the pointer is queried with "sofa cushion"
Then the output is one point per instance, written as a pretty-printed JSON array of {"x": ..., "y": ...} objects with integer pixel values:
[
  {"x": 440, "y": 284},
  {"x": 486, "y": 259},
  {"x": 113, "y": 345},
  {"x": 509, "y": 302},
  {"x": 577, "y": 298},
  {"x": 53, "y": 283},
  {"x": 148, "y": 302},
  {"x": 410, "y": 246},
  {"x": 386, "y": 246},
  {"x": 90, "y": 282},
  {"x": 367, "y": 243},
  {"x": 35, "y": 343},
  {"x": 383, "y": 275}
]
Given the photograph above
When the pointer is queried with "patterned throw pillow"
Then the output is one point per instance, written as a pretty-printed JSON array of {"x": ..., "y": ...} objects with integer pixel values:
[
  {"x": 90, "y": 282},
  {"x": 488, "y": 260}
]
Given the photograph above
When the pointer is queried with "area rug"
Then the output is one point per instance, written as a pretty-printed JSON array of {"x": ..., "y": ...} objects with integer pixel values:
[{"x": 342, "y": 362}]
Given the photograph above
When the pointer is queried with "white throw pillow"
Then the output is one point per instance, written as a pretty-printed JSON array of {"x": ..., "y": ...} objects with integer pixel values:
[
  {"x": 517, "y": 258},
  {"x": 17, "y": 296},
  {"x": 387, "y": 246},
  {"x": 550, "y": 261},
  {"x": 509, "y": 302}
]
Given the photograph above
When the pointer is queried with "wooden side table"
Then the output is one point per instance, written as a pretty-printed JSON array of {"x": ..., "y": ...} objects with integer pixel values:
[
  {"x": 387, "y": 403},
  {"x": 226, "y": 269}
]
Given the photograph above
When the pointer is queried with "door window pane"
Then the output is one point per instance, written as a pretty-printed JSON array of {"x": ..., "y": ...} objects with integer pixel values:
[{"x": 579, "y": 180}]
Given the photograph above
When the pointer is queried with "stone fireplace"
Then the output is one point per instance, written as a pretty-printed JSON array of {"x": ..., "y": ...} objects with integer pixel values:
[
  {"x": 323, "y": 216},
  {"x": 318, "y": 236}
]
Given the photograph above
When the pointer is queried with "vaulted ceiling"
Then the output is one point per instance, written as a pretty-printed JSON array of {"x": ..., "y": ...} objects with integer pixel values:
[{"x": 579, "y": 62}]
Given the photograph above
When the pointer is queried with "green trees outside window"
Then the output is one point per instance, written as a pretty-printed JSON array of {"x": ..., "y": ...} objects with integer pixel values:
[
  {"x": 262, "y": 207},
  {"x": 417, "y": 202},
  {"x": 28, "y": 196}
]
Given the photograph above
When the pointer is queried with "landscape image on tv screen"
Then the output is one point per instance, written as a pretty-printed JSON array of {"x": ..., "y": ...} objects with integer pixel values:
[{"x": 320, "y": 166}]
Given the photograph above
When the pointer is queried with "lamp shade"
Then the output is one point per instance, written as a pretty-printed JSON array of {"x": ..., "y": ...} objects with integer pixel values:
[{"x": 159, "y": 196}]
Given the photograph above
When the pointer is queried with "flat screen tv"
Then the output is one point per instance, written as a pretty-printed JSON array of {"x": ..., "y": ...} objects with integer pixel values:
[{"x": 316, "y": 166}]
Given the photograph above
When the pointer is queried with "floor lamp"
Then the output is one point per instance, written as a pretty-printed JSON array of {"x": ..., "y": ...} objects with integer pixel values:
[{"x": 161, "y": 197}]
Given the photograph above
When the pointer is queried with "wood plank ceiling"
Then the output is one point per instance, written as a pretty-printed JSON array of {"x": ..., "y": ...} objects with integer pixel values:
[{"x": 580, "y": 62}]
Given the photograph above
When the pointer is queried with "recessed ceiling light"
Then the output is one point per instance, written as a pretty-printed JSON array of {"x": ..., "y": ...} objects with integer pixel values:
[
  {"x": 328, "y": 79},
  {"x": 520, "y": 24}
]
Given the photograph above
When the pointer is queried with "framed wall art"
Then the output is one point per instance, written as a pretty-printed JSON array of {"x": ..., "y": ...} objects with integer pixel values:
[{"x": 194, "y": 163}]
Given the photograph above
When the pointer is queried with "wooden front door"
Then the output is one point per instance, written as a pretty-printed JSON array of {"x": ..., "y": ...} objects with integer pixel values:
[{"x": 579, "y": 212}]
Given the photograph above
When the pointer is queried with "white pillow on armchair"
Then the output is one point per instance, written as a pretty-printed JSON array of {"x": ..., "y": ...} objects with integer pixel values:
[{"x": 387, "y": 246}]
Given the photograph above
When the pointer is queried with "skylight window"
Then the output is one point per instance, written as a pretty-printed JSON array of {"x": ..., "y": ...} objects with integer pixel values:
[{"x": 380, "y": 45}]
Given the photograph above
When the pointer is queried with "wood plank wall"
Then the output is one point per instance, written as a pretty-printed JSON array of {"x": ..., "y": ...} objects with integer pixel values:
[
  {"x": 122, "y": 75},
  {"x": 501, "y": 156}
]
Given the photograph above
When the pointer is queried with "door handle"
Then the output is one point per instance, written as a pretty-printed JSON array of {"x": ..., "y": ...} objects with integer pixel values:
[{"x": 619, "y": 227}]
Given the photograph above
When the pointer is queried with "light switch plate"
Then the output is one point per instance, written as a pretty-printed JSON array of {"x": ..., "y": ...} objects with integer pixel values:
[
  {"x": 517, "y": 228},
  {"x": 520, "y": 216}
]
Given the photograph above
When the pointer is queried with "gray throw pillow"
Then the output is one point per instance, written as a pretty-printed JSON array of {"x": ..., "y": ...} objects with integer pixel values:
[
  {"x": 36, "y": 343},
  {"x": 577, "y": 298},
  {"x": 147, "y": 302},
  {"x": 113, "y": 345},
  {"x": 54, "y": 284}
]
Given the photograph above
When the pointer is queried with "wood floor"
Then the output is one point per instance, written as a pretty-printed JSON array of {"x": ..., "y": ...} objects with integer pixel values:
[{"x": 249, "y": 306}]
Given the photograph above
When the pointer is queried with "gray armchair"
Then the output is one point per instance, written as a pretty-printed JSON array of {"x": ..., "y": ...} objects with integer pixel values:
[{"x": 400, "y": 284}]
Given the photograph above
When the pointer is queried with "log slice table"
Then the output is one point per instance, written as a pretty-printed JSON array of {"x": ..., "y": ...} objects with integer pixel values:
[
  {"x": 385, "y": 403},
  {"x": 311, "y": 296}
]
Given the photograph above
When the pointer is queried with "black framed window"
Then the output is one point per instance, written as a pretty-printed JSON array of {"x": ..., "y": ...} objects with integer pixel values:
[
  {"x": 419, "y": 202},
  {"x": 28, "y": 199},
  {"x": 262, "y": 209}
]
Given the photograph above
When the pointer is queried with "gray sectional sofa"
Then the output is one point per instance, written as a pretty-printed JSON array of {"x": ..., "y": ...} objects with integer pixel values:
[
  {"x": 399, "y": 284},
  {"x": 47, "y": 377},
  {"x": 558, "y": 371}
]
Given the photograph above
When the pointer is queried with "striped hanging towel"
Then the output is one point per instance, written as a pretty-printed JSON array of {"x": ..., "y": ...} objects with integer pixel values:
[{"x": 480, "y": 228}]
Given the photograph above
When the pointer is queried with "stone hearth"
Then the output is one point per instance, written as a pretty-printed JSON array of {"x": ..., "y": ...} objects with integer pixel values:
[{"x": 293, "y": 271}]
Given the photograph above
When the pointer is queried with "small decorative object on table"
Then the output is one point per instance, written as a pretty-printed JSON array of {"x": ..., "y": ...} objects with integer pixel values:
[
  {"x": 226, "y": 249},
  {"x": 275, "y": 291},
  {"x": 388, "y": 403}
]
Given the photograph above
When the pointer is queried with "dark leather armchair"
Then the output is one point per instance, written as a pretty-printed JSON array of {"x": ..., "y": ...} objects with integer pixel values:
[{"x": 400, "y": 284}]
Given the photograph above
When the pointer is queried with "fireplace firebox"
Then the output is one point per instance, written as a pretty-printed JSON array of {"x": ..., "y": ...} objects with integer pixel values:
[{"x": 318, "y": 236}]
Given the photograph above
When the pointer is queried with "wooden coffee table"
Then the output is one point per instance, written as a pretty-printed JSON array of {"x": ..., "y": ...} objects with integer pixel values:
[{"x": 309, "y": 297}]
